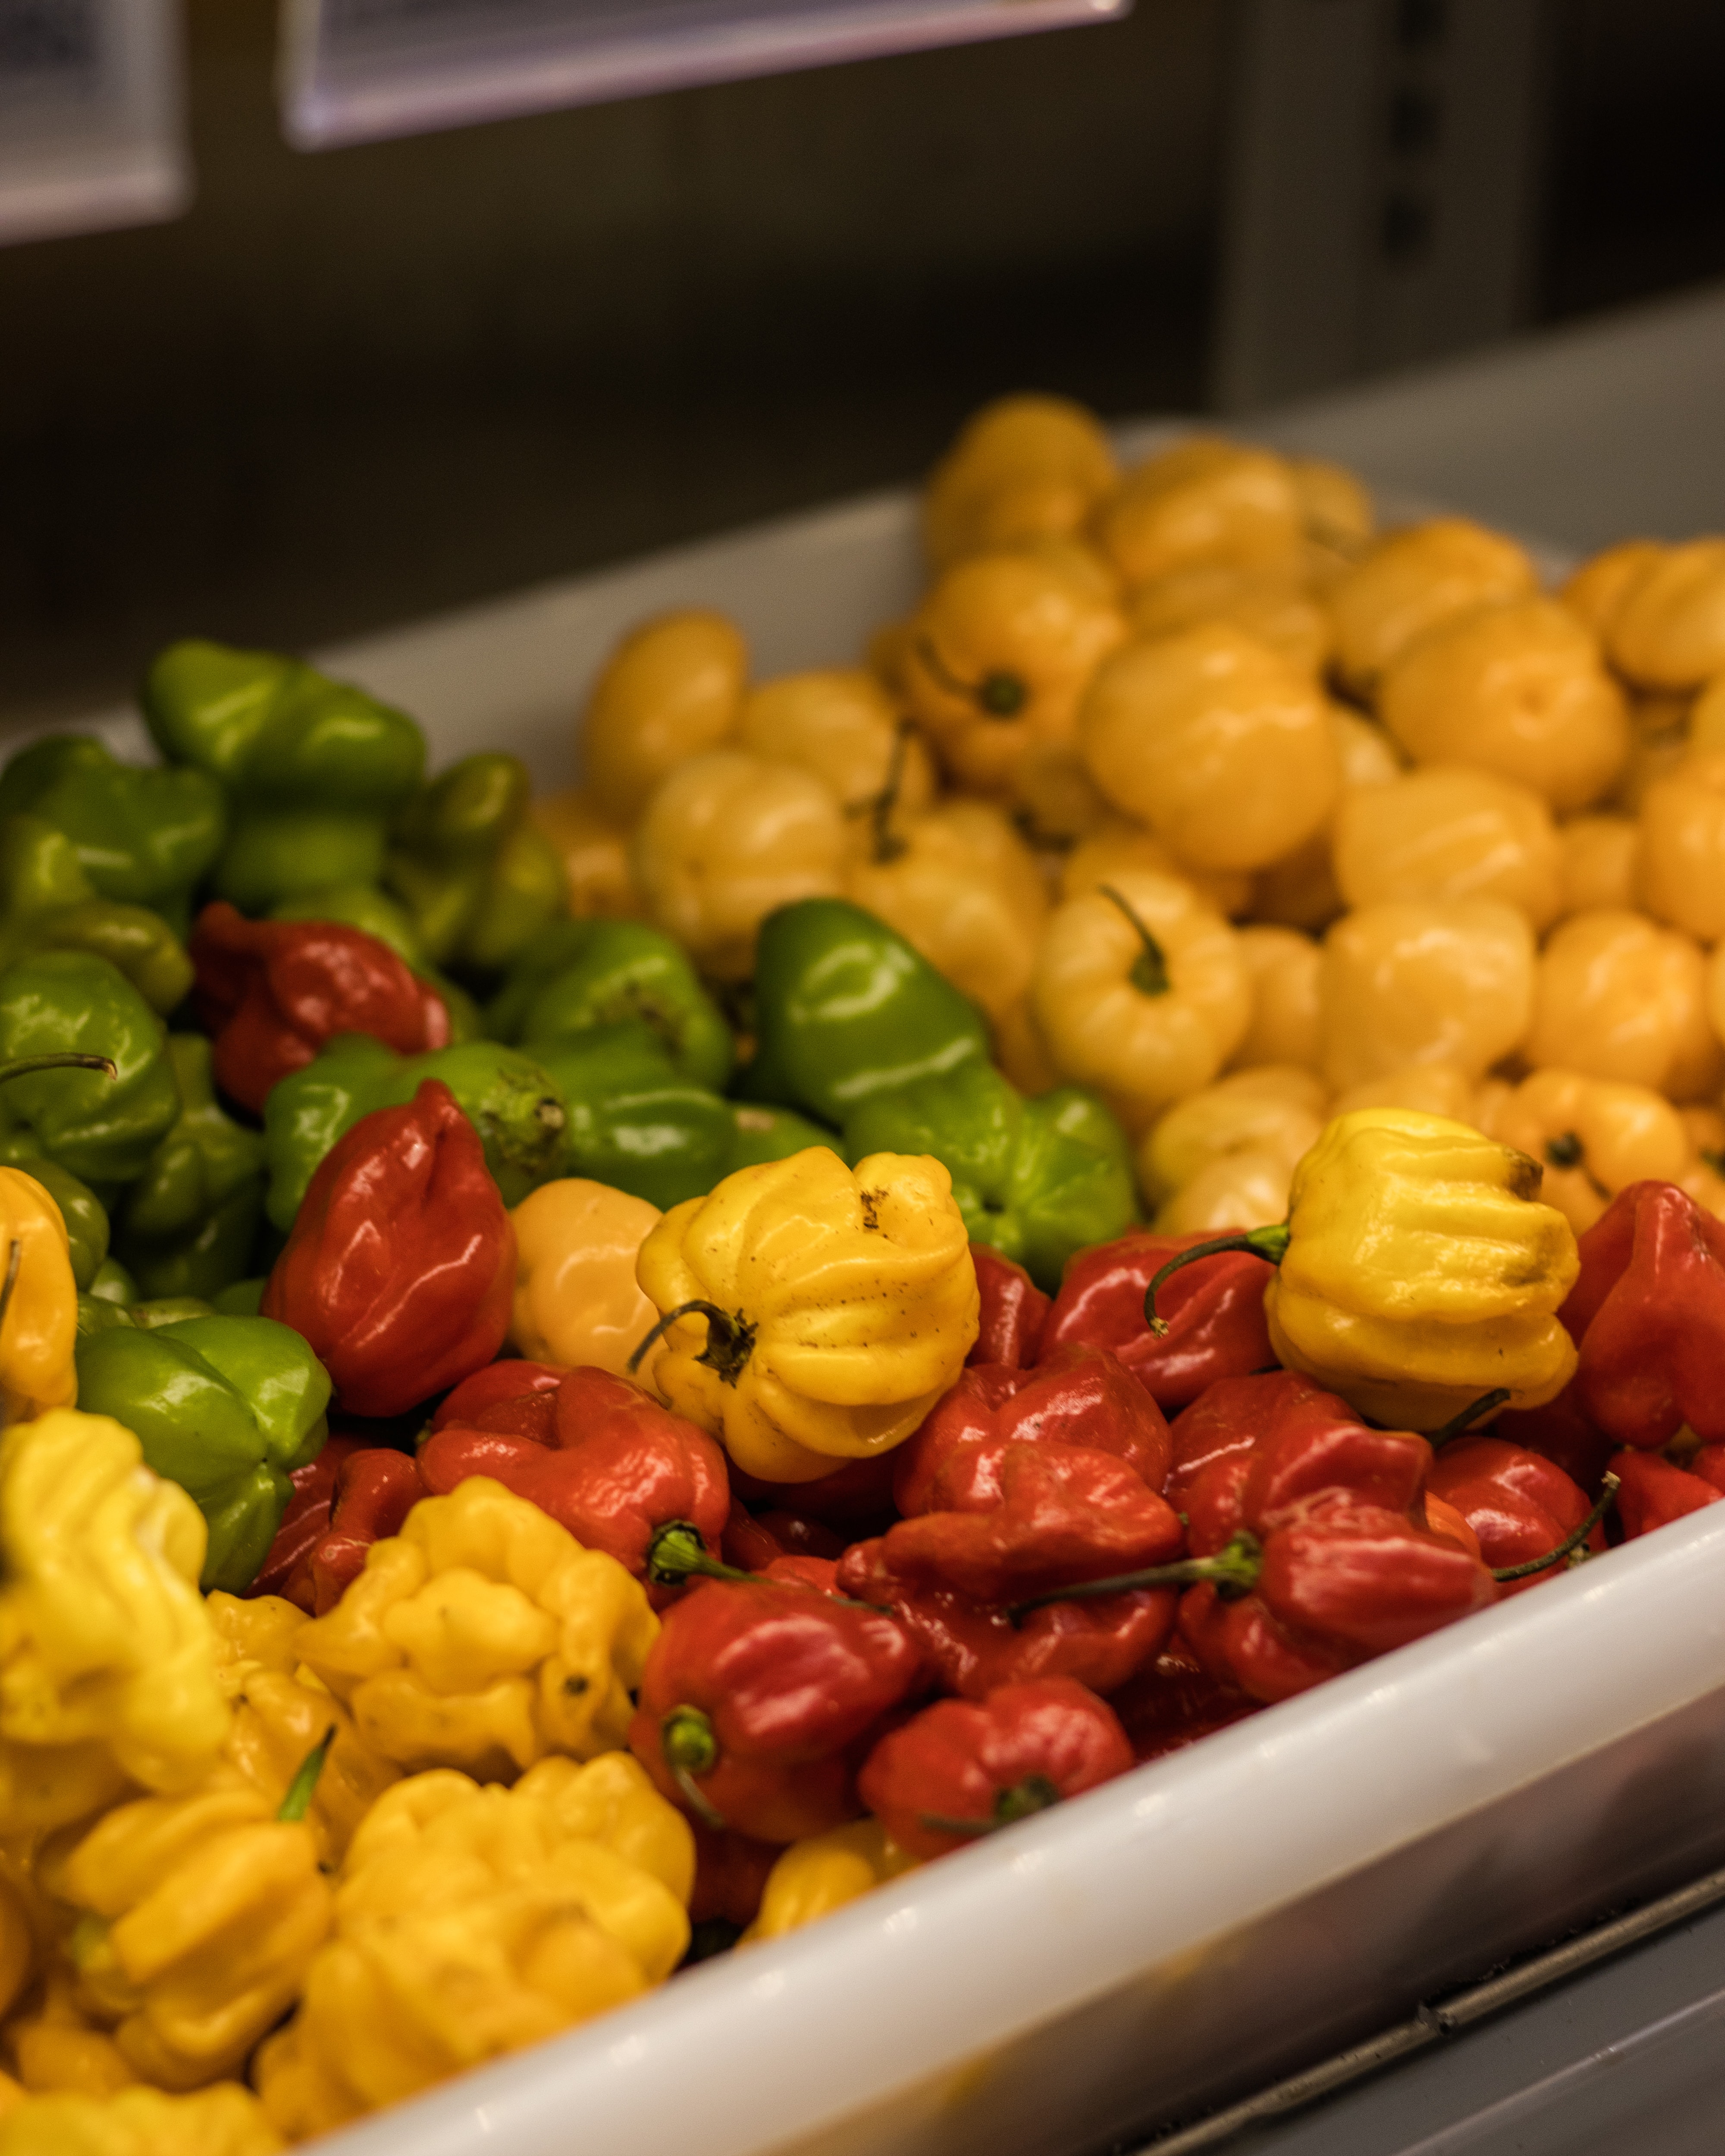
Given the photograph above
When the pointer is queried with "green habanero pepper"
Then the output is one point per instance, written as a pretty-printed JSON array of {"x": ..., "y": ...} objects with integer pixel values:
[
  {"x": 844, "y": 1007},
  {"x": 85, "y": 1216},
  {"x": 634, "y": 1121},
  {"x": 474, "y": 871},
  {"x": 48, "y": 903},
  {"x": 103, "y": 1130},
  {"x": 578, "y": 974},
  {"x": 187, "y": 1225},
  {"x": 760, "y": 1135},
  {"x": 508, "y": 1098},
  {"x": 1036, "y": 1180},
  {"x": 226, "y": 1407}
]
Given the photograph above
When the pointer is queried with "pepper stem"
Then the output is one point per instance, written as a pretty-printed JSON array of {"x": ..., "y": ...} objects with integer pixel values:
[
  {"x": 303, "y": 1788},
  {"x": 885, "y": 843},
  {"x": 1474, "y": 1411},
  {"x": 1271, "y": 1242},
  {"x": 690, "y": 1746},
  {"x": 730, "y": 1339},
  {"x": 1570, "y": 1547},
  {"x": 26, "y": 1066},
  {"x": 1022, "y": 1800},
  {"x": 675, "y": 1553},
  {"x": 999, "y": 695},
  {"x": 1149, "y": 974},
  {"x": 1234, "y": 1570}
]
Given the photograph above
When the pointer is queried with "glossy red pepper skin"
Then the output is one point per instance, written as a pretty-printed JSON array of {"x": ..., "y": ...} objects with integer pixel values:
[
  {"x": 1013, "y": 1312},
  {"x": 788, "y": 1681},
  {"x": 752, "y": 1541},
  {"x": 519, "y": 1397},
  {"x": 1652, "y": 1492},
  {"x": 400, "y": 1268},
  {"x": 856, "y": 1499},
  {"x": 374, "y": 1489},
  {"x": 617, "y": 1467},
  {"x": 272, "y": 993},
  {"x": 1560, "y": 1432},
  {"x": 1519, "y": 1503},
  {"x": 1175, "y": 1701},
  {"x": 1647, "y": 1312},
  {"x": 1213, "y": 1310},
  {"x": 305, "y": 1523},
  {"x": 1023, "y": 1748},
  {"x": 730, "y": 1876}
]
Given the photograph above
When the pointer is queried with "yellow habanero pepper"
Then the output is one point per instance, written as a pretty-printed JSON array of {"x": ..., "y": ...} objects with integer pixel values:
[
  {"x": 1427, "y": 982},
  {"x": 1599, "y": 587},
  {"x": 107, "y": 1660},
  {"x": 1215, "y": 741},
  {"x": 1668, "y": 628},
  {"x": 1414, "y": 580},
  {"x": 843, "y": 726},
  {"x": 1617, "y": 996},
  {"x": 1121, "y": 846},
  {"x": 1204, "y": 502},
  {"x": 1139, "y": 991},
  {"x": 1338, "y": 513},
  {"x": 576, "y": 1300},
  {"x": 1681, "y": 864},
  {"x": 1428, "y": 1088},
  {"x": 815, "y": 1312},
  {"x": 226, "y": 2120},
  {"x": 812, "y": 1878},
  {"x": 1418, "y": 1270},
  {"x": 724, "y": 840},
  {"x": 1592, "y": 1136},
  {"x": 1300, "y": 891},
  {"x": 1449, "y": 831},
  {"x": 484, "y": 1636},
  {"x": 38, "y": 1329},
  {"x": 470, "y": 1923},
  {"x": 1282, "y": 965},
  {"x": 56, "y": 2048},
  {"x": 594, "y": 853},
  {"x": 1600, "y": 857},
  {"x": 1272, "y": 605},
  {"x": 1023, "y": 468},
  {"x": 1271, "y": 1117},
  {"x": 672, "y": 690},
  {"x": 999, "y": 653}
]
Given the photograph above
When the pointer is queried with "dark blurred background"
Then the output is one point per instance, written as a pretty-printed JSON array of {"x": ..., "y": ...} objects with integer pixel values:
[{"x": 354, "y": 387}]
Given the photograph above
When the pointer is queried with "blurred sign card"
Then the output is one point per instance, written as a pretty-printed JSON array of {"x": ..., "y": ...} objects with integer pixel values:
[
  {"x": 92, "y": 129},
  {"x": 357, "y": 71}
]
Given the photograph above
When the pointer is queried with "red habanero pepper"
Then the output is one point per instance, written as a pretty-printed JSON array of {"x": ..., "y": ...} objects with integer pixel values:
[
  {"x": 1709, "y": 1463},
  {"x": 855, "y": 1498},
  {"x": 273, "y": 991},
  {"x": 400, "y": 1269},
  {"x": 753, "y": 1700},
  {"x": 1655, "y": 1492},
  {"x": 730, "y": 1876},
  {"x": 1647, "y": 1312},
  {"x": 1560, "y": 1432},
  {"x": 961, "y": 1769},
  {"x": 754, "y": 1540},
  {"x": 1517, "y": 1502},
  {"x": 1013, "y": 1312},
  {"x": 519, "y": 1397},
  {"x": 1213, "y": 1312},
  {"x": 305, "y": 1521},
  {"x": 1174, "y": 1702},
  {"x": 374, "y": 1489}
]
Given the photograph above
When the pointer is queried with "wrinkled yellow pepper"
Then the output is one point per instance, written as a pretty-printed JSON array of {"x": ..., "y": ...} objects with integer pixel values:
[
  {"x": 484, "y": 1636},
  {"x": 1415, "y": 579},
  {"x": 827, "y": 1307},
  {"x": 1204, "y": 503},
  {"x": 1598, "y": 862},
  {"x": 1592, "y": 1136},
  {"x": 1681, "y": 864},
  {"x": 1228, "y": 1150},
  {"x": 107, "y": 1660},
  {"x": 672, "y": 690},
  {"x": 471, "y": 1922},
  {"x": 57, "y": 2049},
  {"x": 1667, "y": 630},
  {"x": 1022, "y": 468},
  {"x": 843, "y": 725},
  {"x": 576, "y": 1300},
  {"x": 812, "y": 1878},
  {"x": 1121, "y": 844},
  {"x": 1619, "y": 997},
  {"x": 38, "y": 1331},
  {"x": 1428, "y": 1088},
  {"x": 1272, "y": 604},
  {"x": 1449, "y": 831},
  {"x": 1433, "y": 981},
  {"x": 226, "y": 2120}
]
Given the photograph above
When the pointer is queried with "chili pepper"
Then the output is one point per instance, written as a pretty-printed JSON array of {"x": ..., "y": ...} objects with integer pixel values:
[
  {"x": 85, "y": 1216},
  {"x": 574, "y": 975},
  {"x": 754, "y": 1541},
  {"x": 1408, "y": 981},
  {"x": 961, "y": 1769},
  {"x": 1212, "y": 1310},
  {"x": 1014, "y": 1310},
  {"x": 273, "y": 992},
  {"x": 1413, "y": 579},
  {"x": 1173, "y": 1702},
  {"x": 60, "y": 2053},
  {"x": 452, "y": 1894},
  {"x": 1656, "y": 1491},
  {"x": 483, "y": 1635},
  {"x": 511, "y": 1102},
  {"x": 1519, "y": 1503},
  {"x": 1594, "y": 1137},
  {"x": 49, "y": 903},
  {"x": 1649, "y": 1312},
  {"x": 1273, "y": 1114},
  {"x": 844, "y": 1007},
  {"x": 39, "y": 1301},
  {"x": 362, "y": 907},
  {"x": 730, "y": 1875},
  {"x": 1039, "y": 1179},
  {"x": 223, "y": 2120},
  {"x": 824, "y": 1872},
  {"x": 475, "y": 872},
  {"x": 224, "y": 1406},
  {"x": 1620, "y": 997},
  {"x": 1560, "y": 1432},
  {"x": 672, "y": 689},
  {"x": 401, "y": 1263},
  {"x": 513, "y": 1395},
  {"x": 843, "y": 724},
  {"x": 103, "y": 1128},
  {"x": 188, "y": 1224},
  {"x": 314, "y": 769},
  {"x": 304, "y": 1523},
  {"x": 373, "y": 1490},
  {"x": 855, "y": 1498},
  {"x": 1021, "y": 467},
  {"x": 1204, "y": 501},
  {"x": 1418, "y": 1270},
  {"x": 815, "y": 1312},
  {"x": 618, "y": 1470},
  {"x": 633, "y": 1123},
  {"x": 593, "y": 850},
  {"x": 141, "y": 834},
  {"x": 576, "y": 1300}
]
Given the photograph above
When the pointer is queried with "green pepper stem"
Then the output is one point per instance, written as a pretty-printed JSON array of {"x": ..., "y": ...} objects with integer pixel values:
[
  {"x": 730, "y": 1339},
  {"x": 303, "y": 1788},
  {"x": 1150, "y": 975},
  {"x": 26, "y": 1066},
  {"x": 689, "y": 1745},
  {"x": 675, "y": 1553},
  {"x": 885, "y": 843},
  {"x": 1271, "y": 1242},
  {"x": 1474, "y": 1411},
  {"x": 1234, "y": 1570},
  {"x": 997, "y": 695},
  {"x": 1035, "y": 1794},
  {"x": 1570, "y": 1547}
]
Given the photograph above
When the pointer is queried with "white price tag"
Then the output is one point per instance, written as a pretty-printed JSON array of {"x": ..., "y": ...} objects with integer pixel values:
[
  {"x": 92, "y": 130},
  {"x": 354, "y": 71}
]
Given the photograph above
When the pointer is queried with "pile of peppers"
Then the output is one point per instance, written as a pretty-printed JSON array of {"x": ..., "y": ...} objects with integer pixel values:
[{"x": 523, "y": 1470}]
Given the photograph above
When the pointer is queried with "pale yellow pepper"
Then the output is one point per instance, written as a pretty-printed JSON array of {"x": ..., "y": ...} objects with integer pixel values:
[
  {"x": 1681, "y": 866},
  {"x": 1425, "y": 982},
  {"x": 39, "y": 1330},
  {"x": 56, "y": 2047},
  {"x": 1140, "y": 992},
  {"x": 829, "y": 1307},
  {"x": 1217, "y": 742},
  {"x": 1619, "y": 997},
  {"x": 1412, "y": 581},
  {"x": 726, "y": 839},
  {"x": 225, "y": 2120},
  {"x": 1519, "y": 688},
  {"x": 1300, "y": 891},
  {"x": 1282, "y": 966},
  {"x": 1597, "y": 589},
  {"x": 1121, "y": 846},
  {"x": 1273, "y": 605},
  {"x": 672, "y": 690},
  {"x": 1668, "y": 628},
  {"x": 999, "y": 653},
  {"x": 1449, "y": 831},
  {"x": 1419, "y": 1270},
  {"x": 1599, "y": 862},
  {"x": 842, "y": 724},
  {"x": 1241, "y": 1190},
  {"x": 1204, "y": 502},
  {"x": 576, "y": 1300},
  {"x": 1593, "y": 1136},
  {"x": 1022, "y": 468},
  {"x": 1338, "y": 513},
  {"x": 1054, "y": 799},
  {"x": 812, "y": 1878},
  {"x": 1428, "y": 1088},
  {"x": 484, "y": 1636},
  {"x": 594, "y": 852},
  {"x": 1276, "y": 1111}
]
